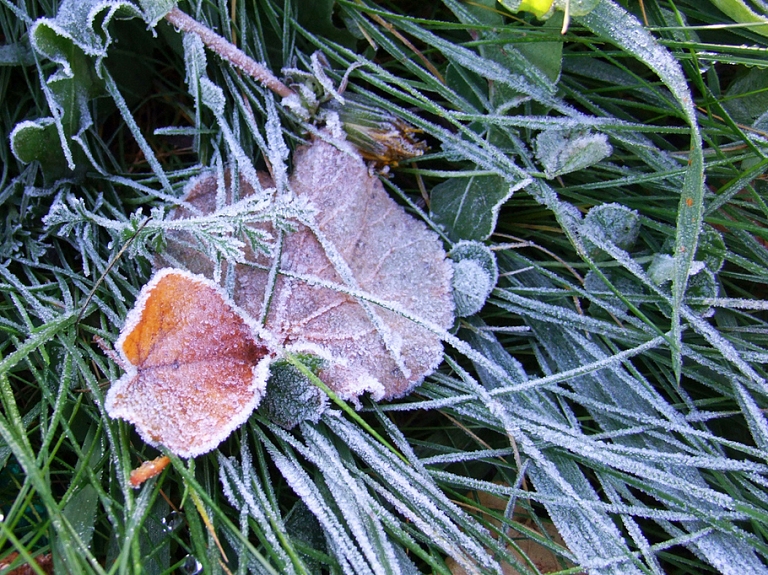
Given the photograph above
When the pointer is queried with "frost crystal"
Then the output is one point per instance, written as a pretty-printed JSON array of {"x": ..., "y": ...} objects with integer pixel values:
[{"x": 361, "y": 248}]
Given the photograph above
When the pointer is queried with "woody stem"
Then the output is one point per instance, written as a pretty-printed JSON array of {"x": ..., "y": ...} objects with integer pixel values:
[{"x": 228, "y": 51}]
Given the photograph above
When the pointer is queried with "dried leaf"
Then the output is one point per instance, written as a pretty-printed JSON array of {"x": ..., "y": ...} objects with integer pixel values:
[
  {"x": 545, "y": 560},
  {"x": 362, "y": 246},
  {"x": 194, "y": 368},
  {"x": 44, "y": 564}
]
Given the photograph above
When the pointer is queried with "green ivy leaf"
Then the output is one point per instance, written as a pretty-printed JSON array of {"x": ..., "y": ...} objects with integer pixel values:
[
  {"x": 469, "y": 207},
  {"x": 468, "y": 85},
  {"x": 38, "y": 140},
  {"x": 546, "y": 56},
  {"x": 78, "y": 34}
]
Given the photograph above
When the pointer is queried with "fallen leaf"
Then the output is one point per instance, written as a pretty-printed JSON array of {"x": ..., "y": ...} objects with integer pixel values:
[
  {"x": 365, "y": 285},
  {"x": 44, "y": 564},
  {"x": 530, "y": 550},
  {"x": 194, "y": 368}
]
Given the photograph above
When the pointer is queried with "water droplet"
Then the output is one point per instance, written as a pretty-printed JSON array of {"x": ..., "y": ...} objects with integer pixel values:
[
  {"x": 172, "y": 521},
  {"x": 191, "y": 566}
]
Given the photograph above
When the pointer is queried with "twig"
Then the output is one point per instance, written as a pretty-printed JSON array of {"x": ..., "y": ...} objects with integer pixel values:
[{"x": 228, "y": 52}]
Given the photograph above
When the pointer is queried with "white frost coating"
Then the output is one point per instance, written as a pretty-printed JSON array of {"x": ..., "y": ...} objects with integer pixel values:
[
  {"x": 754, "y": 416},
  {"x": 629, "y": 33},
  {"x": 604, "y": 363},
  {"x": 633, "y": 460},
  {"x": 724, "y": 346},
  {"x": 242, "y": 480},
  {"x": 214, "y": 98},
  {"x": 696, "y": 267},
  {"x": 333, "y": 124},
  {"x": 464, "y": 456},
  {"x": 728, "y": 351},
  {"x": 544, "y": 310},
  {"x": 597, "y": 505},
  {"x": 277, "y": 150},
  {"x": 430, "y": 509},
  {"x": 610, "y": 384},
  {"x": 75, "y": 21},
  {"x": 318, "y": 65},
  {"x": 354, "y": 502},
  {"x": 194, "y": 64},
  {"x": 471, "y": 285},
  {"x": 475, "y": 274},
  {"x": 662, "y": 268},
  {"x": 736, "y": 303},
  {"x": 307, "y": 94},
  {"x": 293, "y": 103},
  {"x": 194, "y": 370}
]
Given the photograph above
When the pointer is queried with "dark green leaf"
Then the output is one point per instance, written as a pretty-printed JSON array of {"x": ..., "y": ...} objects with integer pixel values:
[{"x": 469, "y": 207}]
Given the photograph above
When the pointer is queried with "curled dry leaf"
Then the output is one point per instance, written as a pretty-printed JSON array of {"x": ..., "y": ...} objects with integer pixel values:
[
  {"x": 358, "y": 286},
  {"x": 148, "y": 470}
]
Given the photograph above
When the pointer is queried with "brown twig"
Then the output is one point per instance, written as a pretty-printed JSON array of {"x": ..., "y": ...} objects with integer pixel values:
[{"x": 228, "y": 52}]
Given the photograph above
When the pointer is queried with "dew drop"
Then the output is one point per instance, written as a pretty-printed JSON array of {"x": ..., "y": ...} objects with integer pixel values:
[
  {"x": 172, "y": 521},
  {"x": 191, "y": 565}
]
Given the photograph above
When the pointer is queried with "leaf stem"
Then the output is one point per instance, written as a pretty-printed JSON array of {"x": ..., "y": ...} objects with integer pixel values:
[{"x": 228, "y": 52}]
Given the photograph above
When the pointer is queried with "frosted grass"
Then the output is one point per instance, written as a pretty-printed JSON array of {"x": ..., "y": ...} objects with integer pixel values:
[
  {"x": 601, "y": 417},
  {"x": 243, "y": 489}
]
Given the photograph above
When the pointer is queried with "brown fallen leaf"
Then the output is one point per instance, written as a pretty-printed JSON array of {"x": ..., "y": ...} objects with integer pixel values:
[
  {"x": 194, "y": 367},
  {"x": 362, "y": 246},
  {"x": 545, "y": 560},
  {"x": 44, "y": 563}
]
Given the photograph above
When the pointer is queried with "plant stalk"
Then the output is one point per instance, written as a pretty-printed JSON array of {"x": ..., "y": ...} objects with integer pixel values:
[{"x": 228, "y": 52}]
